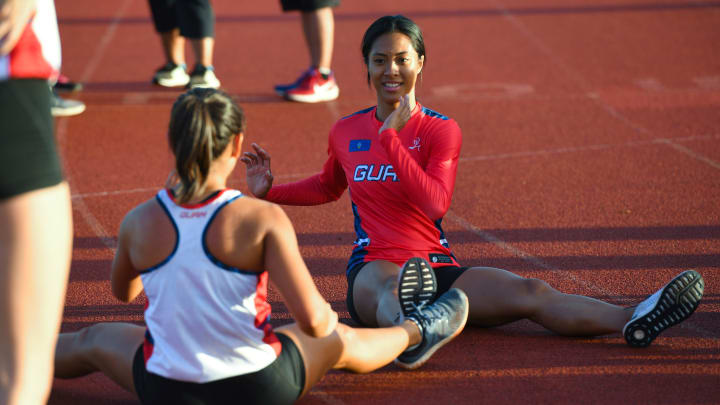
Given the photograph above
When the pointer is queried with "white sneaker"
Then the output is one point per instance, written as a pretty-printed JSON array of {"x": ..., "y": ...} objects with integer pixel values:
[
  {"x": 61, "y": 107},
  {"x": 669, "y": 306},
  {"x": 171, "y": 75},
  {"x": 203, "y": 76}
]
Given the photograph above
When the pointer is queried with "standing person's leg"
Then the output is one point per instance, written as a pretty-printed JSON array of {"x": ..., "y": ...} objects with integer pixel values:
[
  {"x": 317, "y": 84},
  {"x": 173, "y": 46},
  {"x": 173, "y": 72},
  {"x": 35, "y": 242},
  {"x": 319, "y": 31},
  {"x": 197, "y": 23},
  {"x": 105, "y": 347}
]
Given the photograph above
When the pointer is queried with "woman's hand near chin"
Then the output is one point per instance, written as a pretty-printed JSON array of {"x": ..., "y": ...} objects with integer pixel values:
[{"x": 399, "y": 117}]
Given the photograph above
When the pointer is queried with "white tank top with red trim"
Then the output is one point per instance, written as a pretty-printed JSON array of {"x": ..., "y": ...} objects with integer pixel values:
[
  {"x": 206, "y": 320},
  {"x": 37, "y": 53}
]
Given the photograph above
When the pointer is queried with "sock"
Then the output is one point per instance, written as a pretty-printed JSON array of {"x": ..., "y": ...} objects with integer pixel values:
[{"x": 325, "y": 72}]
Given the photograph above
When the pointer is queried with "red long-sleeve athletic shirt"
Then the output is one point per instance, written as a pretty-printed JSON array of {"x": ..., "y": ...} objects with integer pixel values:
[{"x": 401, "y": 184}]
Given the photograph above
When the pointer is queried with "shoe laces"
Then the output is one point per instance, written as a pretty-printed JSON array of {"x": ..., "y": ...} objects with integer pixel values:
[{"x": 423, "y": 316}]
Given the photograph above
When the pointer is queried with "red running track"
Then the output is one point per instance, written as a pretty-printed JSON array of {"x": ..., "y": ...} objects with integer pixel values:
[{"x": 591, "y": 159}]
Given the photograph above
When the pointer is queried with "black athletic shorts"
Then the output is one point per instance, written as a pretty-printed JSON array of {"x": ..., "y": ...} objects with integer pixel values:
[
  {"x": 445, "y": 276},
  {"x": 280, "y": 383},
  {"x": 194, "y": 18},
  {"x": 28, "y": 154},
  {"x": 307, "y": 5}
]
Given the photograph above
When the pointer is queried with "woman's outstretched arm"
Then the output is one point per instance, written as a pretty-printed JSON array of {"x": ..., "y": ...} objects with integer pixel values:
[{"x": 290, "y": 275}]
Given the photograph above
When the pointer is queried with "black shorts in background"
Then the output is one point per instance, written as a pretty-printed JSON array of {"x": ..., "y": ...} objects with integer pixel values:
[
  {"x": 307, "y": 5},
  {"x": 28, "y": 154},
  {"x": 280, "y": 383}
]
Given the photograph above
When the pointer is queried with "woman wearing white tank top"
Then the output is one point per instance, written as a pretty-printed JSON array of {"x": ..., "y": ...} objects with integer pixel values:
[{"x": 204, "y": 254}]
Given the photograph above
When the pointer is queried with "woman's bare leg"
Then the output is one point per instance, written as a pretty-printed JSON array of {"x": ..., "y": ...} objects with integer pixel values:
[
  {"x": 173, "y": 46},
  {"x": 203, "y": 49},
  {"x": 319, "y": 29},
  {"x": 354, "y": 349},
  {"x": 35, "y": 248},
  {"x": 106, "y": 347},
  {"x": 498, "y": 296}
]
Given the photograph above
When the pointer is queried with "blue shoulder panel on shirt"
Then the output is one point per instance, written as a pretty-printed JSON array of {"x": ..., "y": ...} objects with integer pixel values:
[
  {"x": 433, "y": 114},
  {"x": 358, "y": 112}
]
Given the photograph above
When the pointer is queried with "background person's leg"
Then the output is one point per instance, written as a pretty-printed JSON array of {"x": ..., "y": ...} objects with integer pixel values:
[{"x": 319, "y": 31}]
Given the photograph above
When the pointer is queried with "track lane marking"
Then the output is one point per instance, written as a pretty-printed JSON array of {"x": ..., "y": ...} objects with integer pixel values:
[{"x": 584, "y": 84}]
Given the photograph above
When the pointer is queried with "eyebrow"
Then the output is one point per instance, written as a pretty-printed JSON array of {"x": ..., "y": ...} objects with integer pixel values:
[{"x": 382, "y": 54}]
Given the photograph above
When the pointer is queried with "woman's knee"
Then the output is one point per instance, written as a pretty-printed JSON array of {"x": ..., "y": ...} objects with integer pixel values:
[{"x": 535, "y": 288}]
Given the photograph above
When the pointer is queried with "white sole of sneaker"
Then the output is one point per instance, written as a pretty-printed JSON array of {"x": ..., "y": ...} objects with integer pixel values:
[
  {"x": 674, "y": 303},
  {"x": 425, "y": 357},
  {"x": 176, "y": 82},
  {"x": 416, "y": 284},
  {"x": 68, "y": 112},
  {"x": 329, "y": 95}
]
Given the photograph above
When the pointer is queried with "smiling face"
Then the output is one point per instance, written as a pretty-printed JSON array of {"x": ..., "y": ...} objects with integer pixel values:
[{"x": 393, "y": 67}]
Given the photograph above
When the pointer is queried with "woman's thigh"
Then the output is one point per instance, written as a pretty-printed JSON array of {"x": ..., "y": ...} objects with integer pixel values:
[
  {"x": 374, "y": 280},
  {"x": 113, "y": 348}
]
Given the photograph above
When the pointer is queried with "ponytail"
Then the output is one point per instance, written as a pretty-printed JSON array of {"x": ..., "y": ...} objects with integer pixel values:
[{"x": 202, "y": 123}]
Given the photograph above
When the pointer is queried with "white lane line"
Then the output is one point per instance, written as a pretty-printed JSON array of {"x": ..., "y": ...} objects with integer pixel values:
[
  {"x": 78, "y": 203},
  {"x": 573, "y": 149},
  {"x": 689, "y": 152},
  {"x": 583, "y": 83},
  {"x": 535, "y": 261},
  {"x": 104, "y": 43},
  {"x": 543, "y": 152}
]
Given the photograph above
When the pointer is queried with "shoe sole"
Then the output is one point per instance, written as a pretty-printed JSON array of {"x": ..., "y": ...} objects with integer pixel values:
[
  {"x": 425, "y": 357},
  {"x": 313, "y": 98},
  {"x": 171, "y": 82},
  {"x": 67, "y": 112},
  {"x": 416, "y": 284},
  {"x": 678, "y": 300}
]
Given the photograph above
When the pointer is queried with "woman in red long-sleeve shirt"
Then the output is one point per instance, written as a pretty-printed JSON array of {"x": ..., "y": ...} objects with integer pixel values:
[{"x": 399, "y": 161}]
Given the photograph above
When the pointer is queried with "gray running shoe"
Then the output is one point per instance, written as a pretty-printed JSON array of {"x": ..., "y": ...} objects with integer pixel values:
[
  {"x": 669, "y": 306},
  {"x": 203, "y": 76},
  {"x": 171, "y": 75},
  {"x": 61, "y": 107},
  {"x": 439, "y": 323},
  {"x": 416, "y": 285}
]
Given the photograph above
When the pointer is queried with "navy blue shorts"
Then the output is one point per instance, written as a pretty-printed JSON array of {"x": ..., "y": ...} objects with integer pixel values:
[
  {"x": 194, "y": 18},
  {"x": 279, "y": 383},
  {"x": 307, "y": 5},
  {"x": 445, "y": 276}
]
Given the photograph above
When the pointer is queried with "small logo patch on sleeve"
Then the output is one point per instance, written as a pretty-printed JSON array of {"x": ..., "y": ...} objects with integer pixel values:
[
  {"x": 440, "y": 258},
  {"x": 359, "y": 145}
]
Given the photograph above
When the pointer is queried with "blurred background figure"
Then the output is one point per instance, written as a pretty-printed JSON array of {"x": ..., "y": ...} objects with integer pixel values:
[
  {"x": 317, "y": 83},
  {"x": 176, "y": 20}
]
